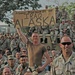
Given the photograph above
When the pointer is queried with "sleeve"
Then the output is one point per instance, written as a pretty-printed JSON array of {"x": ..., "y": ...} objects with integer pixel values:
[{"x": 52, "y": 71}]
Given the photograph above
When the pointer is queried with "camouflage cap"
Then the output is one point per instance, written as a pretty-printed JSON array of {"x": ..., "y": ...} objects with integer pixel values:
[{"x": 10, "y": 57}]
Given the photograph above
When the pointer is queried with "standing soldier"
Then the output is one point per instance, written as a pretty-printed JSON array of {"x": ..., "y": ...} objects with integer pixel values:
[
  {"x": 15, "y": 44},
  {"x": 65, "y": 63},
  {"x": 36, "y": 50},
  {"x": 64, "y": 14},
  {"x": 62, "y": 26},
  {"x": 58, "y": 15},
  {"x": 2, "y": 42}
]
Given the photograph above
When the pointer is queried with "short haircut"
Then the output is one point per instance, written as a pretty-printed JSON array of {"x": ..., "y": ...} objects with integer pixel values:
[
  {"x": 22, "y": 56},
  {"x": 66, "y": 36}
]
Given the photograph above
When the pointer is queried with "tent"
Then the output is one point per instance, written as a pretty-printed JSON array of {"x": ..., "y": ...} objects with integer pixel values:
[
  {"x": 3, "y": 24},
  {"x": 4, "y": 27}
]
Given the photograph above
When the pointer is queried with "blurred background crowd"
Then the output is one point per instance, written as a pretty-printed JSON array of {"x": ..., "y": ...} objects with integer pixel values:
[{"x": 13, "y": 52}]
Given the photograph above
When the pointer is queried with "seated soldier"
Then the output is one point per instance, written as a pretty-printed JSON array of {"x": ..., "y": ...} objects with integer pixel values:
[
  {"x": 6, "y": 71},
  {"x": 23, "y": 66}
]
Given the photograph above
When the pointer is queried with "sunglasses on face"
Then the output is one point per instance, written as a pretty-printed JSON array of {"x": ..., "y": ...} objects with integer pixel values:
[{"x": 66, "y": 43}]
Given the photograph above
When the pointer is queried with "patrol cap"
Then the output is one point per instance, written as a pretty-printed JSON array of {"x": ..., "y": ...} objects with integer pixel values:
[{"x": 10, "y": 57}]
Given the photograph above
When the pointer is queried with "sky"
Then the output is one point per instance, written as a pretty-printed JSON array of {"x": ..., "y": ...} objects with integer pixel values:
[
  {"x": 51, "y": 2},
  {"x": 44, "y": 3}
]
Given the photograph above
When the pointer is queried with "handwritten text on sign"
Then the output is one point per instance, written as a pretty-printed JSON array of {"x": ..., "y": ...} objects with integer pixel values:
[{"x": 34, "y": 18}]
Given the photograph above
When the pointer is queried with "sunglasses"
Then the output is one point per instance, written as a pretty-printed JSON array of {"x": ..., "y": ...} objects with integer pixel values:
[{"x": 66, "y": 43}]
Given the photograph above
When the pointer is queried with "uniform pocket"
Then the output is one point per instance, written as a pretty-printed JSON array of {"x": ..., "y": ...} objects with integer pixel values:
[{"x": 59, "y": 71}]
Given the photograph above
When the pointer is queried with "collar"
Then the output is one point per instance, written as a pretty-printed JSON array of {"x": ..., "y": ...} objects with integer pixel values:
[{"x": 71, "y": 58}]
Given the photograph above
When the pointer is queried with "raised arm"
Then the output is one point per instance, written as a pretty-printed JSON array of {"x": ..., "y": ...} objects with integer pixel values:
[{"x": 22, "y": 36}]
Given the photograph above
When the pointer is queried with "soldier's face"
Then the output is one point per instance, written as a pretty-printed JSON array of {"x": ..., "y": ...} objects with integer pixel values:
[
  {"x": 11, "y": 62},
  {"x": 35, "y": 37},
  {"x": 6, "y": 71},
  {"x": 23, "y": 60},
  {"x": 17, "y": 55},
  {"x": 66, "y": 45}
]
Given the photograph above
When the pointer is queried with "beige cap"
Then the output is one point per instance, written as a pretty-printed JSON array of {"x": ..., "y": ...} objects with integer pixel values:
[{"x": 10, "y": 57}]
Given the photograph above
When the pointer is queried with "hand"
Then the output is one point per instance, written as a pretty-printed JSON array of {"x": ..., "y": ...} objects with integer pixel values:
[
  {"x": 28, "y": 73},
  {"x": 21, "y": 69},
  {"x": 39, "y": 69}
]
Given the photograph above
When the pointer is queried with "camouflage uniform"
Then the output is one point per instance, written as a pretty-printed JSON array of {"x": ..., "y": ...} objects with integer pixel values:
[
  {"x": 14, "y": 46},
  {"x": 64, "y": 14},
  {"x": 22, "y": 45},
  {"x": 1, "y": 66},
  {"x": 8, "y": 41},
  {"x": 2, "y": 43},
  {"x": 60, "y": 67},
  {"x": 24, "y": 69},
  {"x": 52, "y": 33},
  {"x": 62, "y": 27},
  {"x": 13, "y": 69},
  {"x": 58, "y": 15}
]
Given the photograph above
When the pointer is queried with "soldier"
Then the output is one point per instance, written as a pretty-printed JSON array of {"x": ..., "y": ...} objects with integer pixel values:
[
  {"x": 24, "y": 51},
  {"x": 7, "y": 71},
  {"x": 58, "y": 15},
  {"x": 2, "y": 42},
  {"x": 1, "y": 62},
  {"x": 8, "y": 41},
  {"x": 62, "y": 26},
  {"x": 52, "y": 33},
  {"x": 65, "y": 63},
  {"x": 64, "y": 14},
  {"x": 56, "y": 35},
  {"x": 45, "y": 31},
  {"x": 15, "y": 45},
  {"x": 12, "y": 64},
  {"x": 6, "y": 54},
  {"x": 17, "y": 57},
  {"x": 22, "y": 67},
  {"x": 35, "y": 51}
]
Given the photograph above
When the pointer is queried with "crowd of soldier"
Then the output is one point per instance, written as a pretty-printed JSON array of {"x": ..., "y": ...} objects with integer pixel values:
[
  {"x": 12, "y": 50},
  {"x": 64, "y": 25},
  {"x": 13, "y": 53}
]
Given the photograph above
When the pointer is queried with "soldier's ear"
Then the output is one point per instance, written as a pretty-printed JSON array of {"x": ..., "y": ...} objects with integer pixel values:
[{"x": 72, "y": 44}]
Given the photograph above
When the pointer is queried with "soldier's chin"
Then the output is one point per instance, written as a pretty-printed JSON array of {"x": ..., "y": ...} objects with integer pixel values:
[{"x": 67, "y": 51}]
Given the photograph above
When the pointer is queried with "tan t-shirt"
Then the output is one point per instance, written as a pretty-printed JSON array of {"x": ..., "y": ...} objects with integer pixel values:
[{"x": 35, "y": 53}]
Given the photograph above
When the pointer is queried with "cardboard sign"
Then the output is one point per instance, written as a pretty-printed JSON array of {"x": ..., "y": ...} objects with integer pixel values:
[{"x": 34, "y": 18}]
